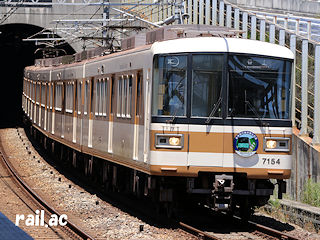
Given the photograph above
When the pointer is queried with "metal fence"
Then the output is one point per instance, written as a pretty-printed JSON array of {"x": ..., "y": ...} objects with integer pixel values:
[{"x": 306, "y": 84}]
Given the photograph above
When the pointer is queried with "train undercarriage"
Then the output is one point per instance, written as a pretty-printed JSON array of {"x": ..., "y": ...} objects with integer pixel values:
[{"x": 227, "y": 192}]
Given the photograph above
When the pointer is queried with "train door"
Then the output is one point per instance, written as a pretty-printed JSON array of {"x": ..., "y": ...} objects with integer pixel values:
[
  {"x": 111, "y": 111},
  {"x": 49, "y": 107},
  {"x": 80, "y": 100},
  {"x": 138, "y": 116},
  {"x": 63, "y": 115},
  {"x": 91, "y": 114},
  {"x": 85, "y": 113},
  {"x": 206, "y": 135}
]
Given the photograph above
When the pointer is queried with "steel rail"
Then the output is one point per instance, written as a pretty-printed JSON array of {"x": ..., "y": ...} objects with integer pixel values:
[
  {"x": 271, "y": 231},
  {"x": 197, "y": 232},
  {"x": 76, "y": 230},
  {"x": 258, "y": 227}
]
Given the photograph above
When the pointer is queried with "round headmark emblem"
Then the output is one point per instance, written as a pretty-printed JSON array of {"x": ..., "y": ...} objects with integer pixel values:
[{"x": 246, "y": 144}]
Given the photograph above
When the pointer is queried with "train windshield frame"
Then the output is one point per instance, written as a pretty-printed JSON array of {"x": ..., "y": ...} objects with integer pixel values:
[
  {"x": 259, "y": 87},
  {"x": 170, "y": 85},
  {"x": 198, "y": 87}
]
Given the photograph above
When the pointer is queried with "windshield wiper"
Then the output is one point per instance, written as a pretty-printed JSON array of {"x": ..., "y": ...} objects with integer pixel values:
[
  {"x": 253, "y": 109},
  {"x": 173, "y": 116},
  {"x": 214, "y": 110}
]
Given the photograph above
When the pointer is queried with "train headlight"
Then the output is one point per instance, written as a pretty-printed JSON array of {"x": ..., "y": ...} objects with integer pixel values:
[
  {"x": 276, "y": 144},
  {"x": 163, "y": 140},
  {"x": 271, "y": 144},
  {"x": 174, "y": 141}
]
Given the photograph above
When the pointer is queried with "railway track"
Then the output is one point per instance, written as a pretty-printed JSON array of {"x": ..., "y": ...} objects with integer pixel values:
[
  {"x": 34, "y": 201},
  {"x": 258, "y": 230}
]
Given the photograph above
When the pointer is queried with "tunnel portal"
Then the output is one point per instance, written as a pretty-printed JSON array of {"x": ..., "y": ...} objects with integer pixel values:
[{"x": 15, "y": 55}]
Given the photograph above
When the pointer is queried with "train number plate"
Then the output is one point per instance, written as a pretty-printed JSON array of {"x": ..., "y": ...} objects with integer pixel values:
[{"x": 271, "y": 161}]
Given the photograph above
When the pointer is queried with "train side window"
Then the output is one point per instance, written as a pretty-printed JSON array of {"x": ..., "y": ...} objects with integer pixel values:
[
  {"x": 58, "y": 97},
  {"x": 104, "y": 97},
  {"x": 51, "y": 96},
  {"x": 48, "y": 95},
  {"x": 79, "y": 93},
  {"x": 33, "y": 86},
  {"x": 112, "y": 94},
  {"x": 69, "y": 98},
  {"x": 119, "y": 97},
  {"x": 129, "y": 96},
  {"x": 38, "y": 93},
  {"x": 98, "y": 85},
  {"x": 91, "y": 96},
  {"x": 139, "y": 87},
  {"x": 43, "y": 94},
  {"x": 101, "y": 97},
  {"x": 29, "y": 89},
  {"x": 85, "y": 111},
  {"x": 124, "y": 96}
]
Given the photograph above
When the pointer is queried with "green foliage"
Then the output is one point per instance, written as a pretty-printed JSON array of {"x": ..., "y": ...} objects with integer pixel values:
[
  {"x": 275, "y": 203},
  {"x": 311, "y": 193}
]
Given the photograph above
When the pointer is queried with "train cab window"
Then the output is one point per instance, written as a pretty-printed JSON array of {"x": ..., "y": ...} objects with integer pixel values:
[
  {"x": 206, "y": 85},
  {"x": 259, "y": 87},
  {"x": 169, "y": 86}
]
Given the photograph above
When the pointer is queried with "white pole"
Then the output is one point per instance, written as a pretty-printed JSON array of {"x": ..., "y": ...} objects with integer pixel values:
[
  {"x": 262, "y": 30},
  {"x": 207, "y": 12},
  {"x": 245, "y": 25},
  {"x": 201, "y": 11},
  {"x": 272, "y": 32},
  {"x": 293, "y": 43},
  {"x": 316, "y": 120},
  {"x": 253, "y": 27},
  {"x": 229, "y": 16},
  {"x": 190, "y": 11},
  {"x": 304, "y": 89},
  {"x": 214, "y": 12},
  {"x": 282, "y": 37},
  {"x": 236, "y": 18},
  {"x": 221, "y": 14},
  {"x": 195, "y": 11}
]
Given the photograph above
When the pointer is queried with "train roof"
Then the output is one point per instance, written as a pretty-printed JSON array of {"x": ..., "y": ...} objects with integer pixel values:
[
  {"x": 178, "y": 39},
  {"x": 216, "y": 44}
]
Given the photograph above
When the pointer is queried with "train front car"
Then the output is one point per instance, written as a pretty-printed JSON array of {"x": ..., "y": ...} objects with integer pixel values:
[{"x": 221, "y": 126}]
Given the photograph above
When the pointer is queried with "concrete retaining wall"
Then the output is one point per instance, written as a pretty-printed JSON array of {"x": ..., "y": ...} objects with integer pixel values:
[
  {"x": 302, "y": 6},
  {"x": 305, "y": 165}
]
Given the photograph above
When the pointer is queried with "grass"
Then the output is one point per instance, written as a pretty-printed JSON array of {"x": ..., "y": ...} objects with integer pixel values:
[{"x": 311, "y": 193}]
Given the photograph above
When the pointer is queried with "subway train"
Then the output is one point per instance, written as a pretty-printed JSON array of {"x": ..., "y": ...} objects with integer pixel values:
[{"x": 181, "y": 114}]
